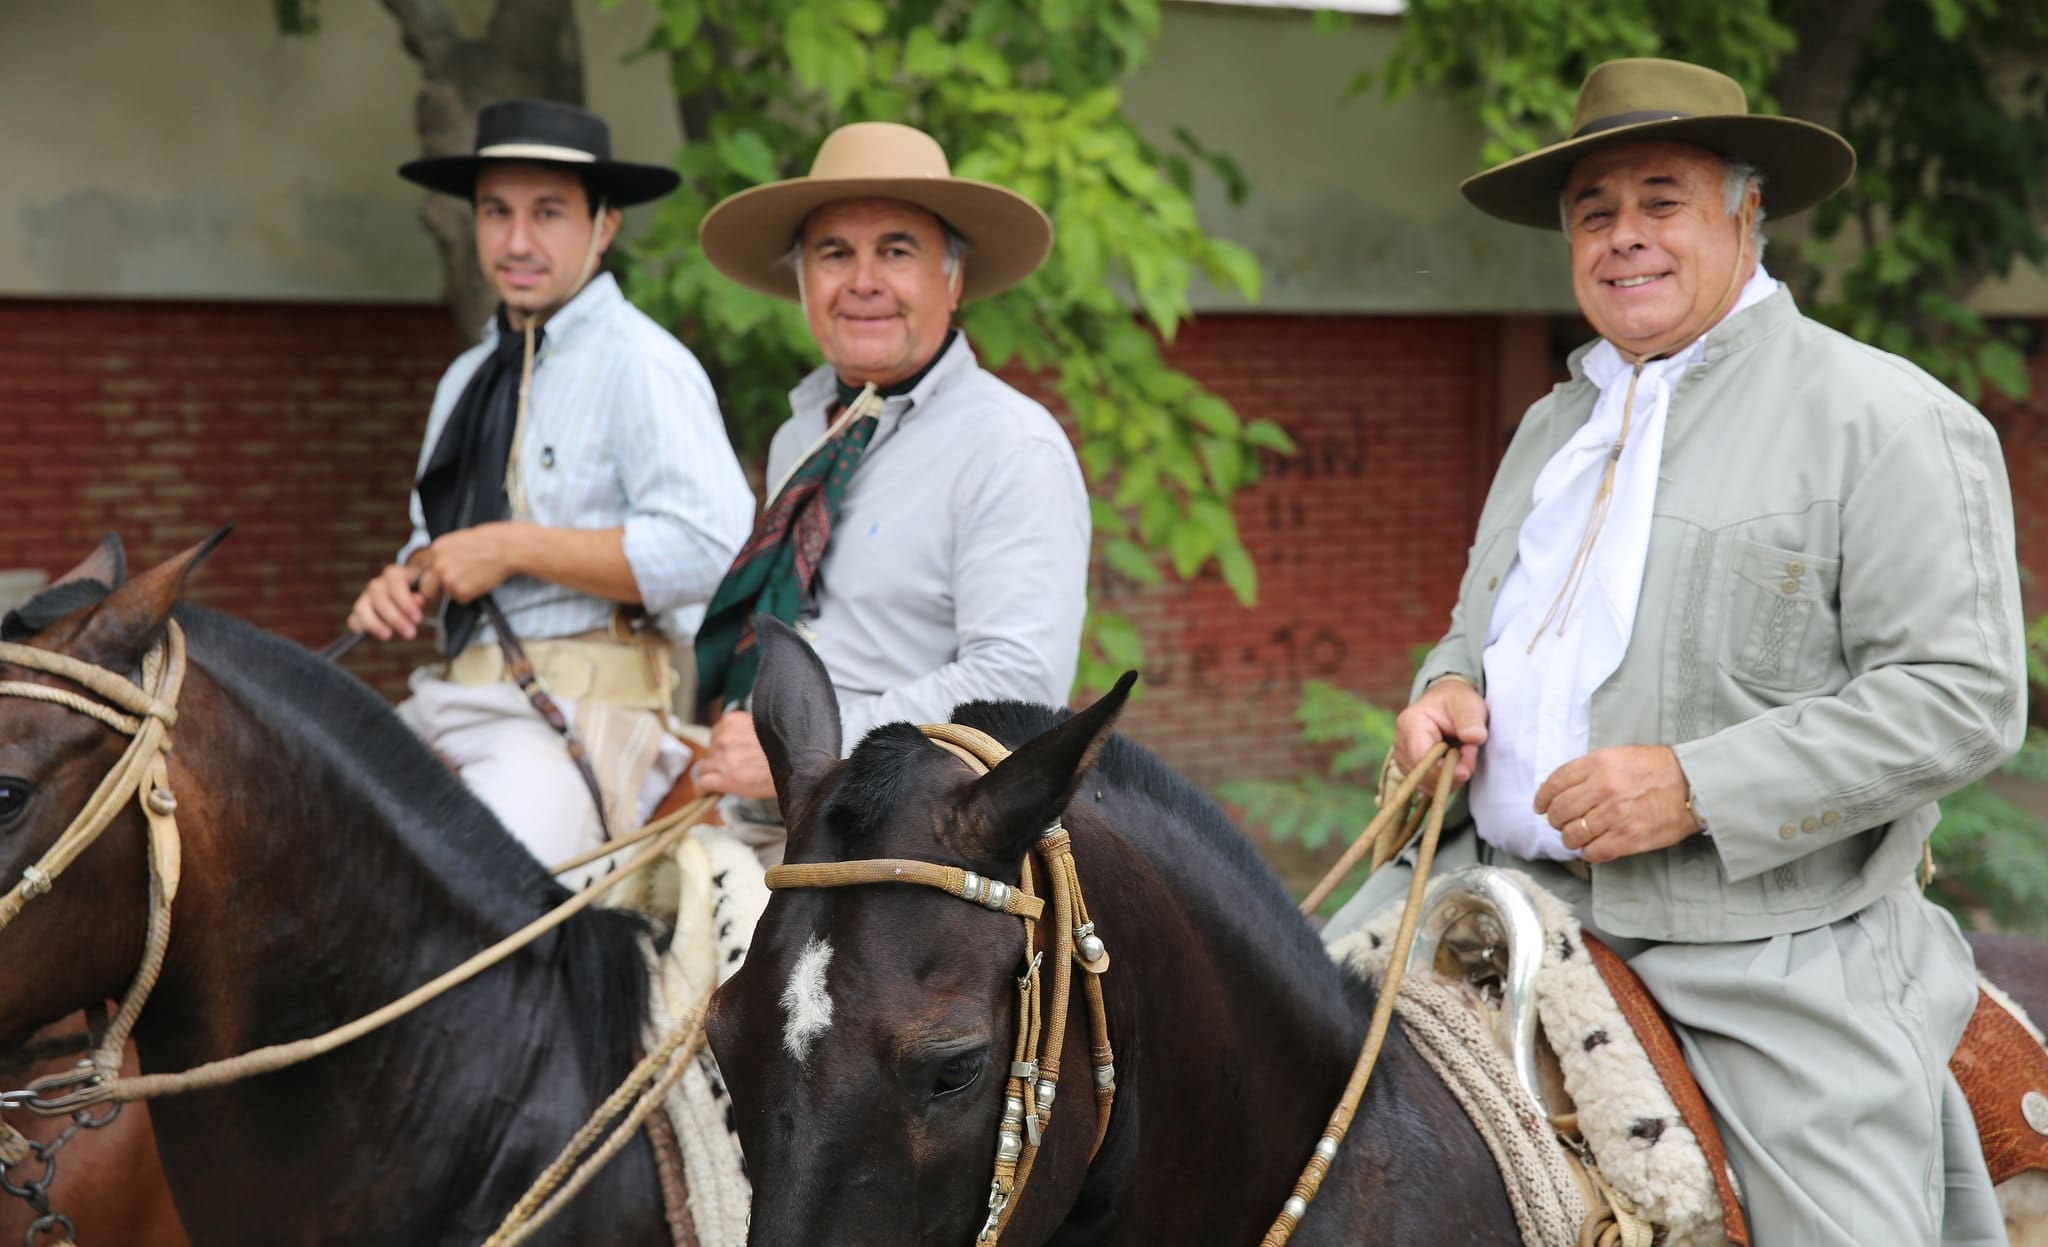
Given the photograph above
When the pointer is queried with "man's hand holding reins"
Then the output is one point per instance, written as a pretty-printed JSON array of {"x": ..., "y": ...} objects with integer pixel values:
[
  {"x": 1619, "y": 802},
  {"x": 389, "y": 606},
  {"x": 733, "y": 762},
  {"x": 1448, "y": 710}
]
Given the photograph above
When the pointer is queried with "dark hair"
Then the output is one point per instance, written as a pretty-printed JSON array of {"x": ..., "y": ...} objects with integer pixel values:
[{"x": 595, "y": 192}]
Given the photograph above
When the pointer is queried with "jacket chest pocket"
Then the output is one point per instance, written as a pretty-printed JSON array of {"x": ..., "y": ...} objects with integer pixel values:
[{"x": 1782, "y": 630}]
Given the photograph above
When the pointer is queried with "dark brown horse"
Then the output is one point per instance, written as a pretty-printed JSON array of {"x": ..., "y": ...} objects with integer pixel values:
[
  {"x": 330, "y": 865},
  {"x": 867, "y": 1087}
]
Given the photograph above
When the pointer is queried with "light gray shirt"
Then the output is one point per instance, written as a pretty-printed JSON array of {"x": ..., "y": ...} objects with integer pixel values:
[
  {"x": 958, "y": 567},
  {"x": 622, "y": 430}
]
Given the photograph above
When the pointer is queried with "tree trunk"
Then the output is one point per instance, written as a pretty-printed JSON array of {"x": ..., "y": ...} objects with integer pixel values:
[
  {"x": 1813, "y": 84},
  {"x": 530, "y": 49}
]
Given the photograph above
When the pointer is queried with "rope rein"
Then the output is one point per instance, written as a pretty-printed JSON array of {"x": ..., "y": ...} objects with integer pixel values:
[{"x": 1035, "y": 1061}]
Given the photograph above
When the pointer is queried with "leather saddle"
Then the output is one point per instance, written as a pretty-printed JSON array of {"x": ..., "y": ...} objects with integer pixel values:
[{"x": 1482, "y": 928}]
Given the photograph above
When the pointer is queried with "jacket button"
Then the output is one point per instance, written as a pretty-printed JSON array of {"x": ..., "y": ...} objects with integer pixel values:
[
  {"x": 1830, "y": 818},
  {"x": 1787, "y": 832},
  {"x": 1492, "y": 583},
  {"x": 1811, "y": 824},
  {"x": 1789, "y": 585},
  {"x": 1795, "y": 569}
]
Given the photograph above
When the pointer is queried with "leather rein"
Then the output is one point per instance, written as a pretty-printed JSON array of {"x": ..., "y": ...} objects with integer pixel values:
[{"x": 1035, "y": 1061}]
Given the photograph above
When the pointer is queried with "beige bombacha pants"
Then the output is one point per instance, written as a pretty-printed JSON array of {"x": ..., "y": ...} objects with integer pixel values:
[
  {"x": 1823, "y": 1053},
  {"x": 509, "y": 756}
]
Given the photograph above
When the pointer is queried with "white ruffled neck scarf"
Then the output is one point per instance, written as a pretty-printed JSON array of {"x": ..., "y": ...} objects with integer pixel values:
[{"x": 1567, "y": 609}]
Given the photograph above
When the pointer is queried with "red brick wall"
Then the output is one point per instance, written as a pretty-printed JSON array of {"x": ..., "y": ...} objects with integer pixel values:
[
  {"x": 296, "y": 423},
  {"x": 1359, "y": 539},
  {"x": 299, "y": 424}
]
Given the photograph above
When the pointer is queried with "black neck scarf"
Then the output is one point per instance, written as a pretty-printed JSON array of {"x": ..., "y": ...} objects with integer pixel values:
[
  {"x": 847, "y": 393},
  {"x": 463, "y": 481}
]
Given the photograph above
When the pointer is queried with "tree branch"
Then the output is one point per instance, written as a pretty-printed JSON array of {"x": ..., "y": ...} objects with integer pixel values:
[{"x": 429, "y": 30}]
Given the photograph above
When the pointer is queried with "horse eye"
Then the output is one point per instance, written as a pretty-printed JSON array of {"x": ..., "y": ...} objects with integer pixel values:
[
  {"x": 959, "y": 1073},
  {"x": 14, "y": 797}
]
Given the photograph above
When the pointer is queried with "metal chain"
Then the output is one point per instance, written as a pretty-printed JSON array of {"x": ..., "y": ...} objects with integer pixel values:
[{"x": 35, "y": 1192}]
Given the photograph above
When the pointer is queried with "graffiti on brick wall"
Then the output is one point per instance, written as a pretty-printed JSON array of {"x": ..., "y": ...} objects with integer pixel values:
[
  {"x": 1329, "y": 450},
  {"x": 1278, "y": 662}
]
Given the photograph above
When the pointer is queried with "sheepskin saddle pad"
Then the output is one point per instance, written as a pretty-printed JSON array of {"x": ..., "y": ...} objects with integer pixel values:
[{"x": 1587, "y": 1043}]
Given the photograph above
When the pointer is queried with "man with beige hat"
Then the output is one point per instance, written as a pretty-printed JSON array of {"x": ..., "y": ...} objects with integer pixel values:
[
  {"x": 926, "y": 527},
  {"x": 1742, "y": 606}
]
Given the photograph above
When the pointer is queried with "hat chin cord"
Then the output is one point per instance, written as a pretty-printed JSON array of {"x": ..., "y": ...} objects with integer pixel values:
[{"x": 529, "y": 321}]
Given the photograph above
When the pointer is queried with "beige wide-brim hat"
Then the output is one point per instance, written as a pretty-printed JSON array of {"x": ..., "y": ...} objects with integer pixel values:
[
  {"x": 748, "y": 235},
  {"x": 1645, "y": 99}
]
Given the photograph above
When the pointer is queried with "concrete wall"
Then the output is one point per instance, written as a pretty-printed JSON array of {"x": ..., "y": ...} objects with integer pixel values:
[{"x": 185, "y": 149}]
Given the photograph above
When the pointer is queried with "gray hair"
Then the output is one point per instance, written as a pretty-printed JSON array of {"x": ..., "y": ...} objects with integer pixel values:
[
  {"x": 957, "y": 248},
  {"x": 1737, "y": 177}
]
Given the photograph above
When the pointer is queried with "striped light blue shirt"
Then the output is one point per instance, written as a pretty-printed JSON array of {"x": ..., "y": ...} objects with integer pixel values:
[{"x": 622, "y": 429}]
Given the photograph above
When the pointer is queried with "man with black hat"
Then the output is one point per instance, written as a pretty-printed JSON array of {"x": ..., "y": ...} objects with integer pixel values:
[
  {"x": 576, "y": 475},
  {"x": 1743, "y": 604},
  {"x": 927, "y": 527}
]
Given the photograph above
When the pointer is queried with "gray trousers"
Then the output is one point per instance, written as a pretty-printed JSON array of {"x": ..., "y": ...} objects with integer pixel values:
[{"x": 1823, "y": 1055}]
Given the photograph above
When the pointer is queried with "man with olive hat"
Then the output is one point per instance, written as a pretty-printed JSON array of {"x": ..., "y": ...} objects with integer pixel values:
[
  {"x": 576, "y": 474},
  {"x": 1742, "y": 606},
  {"x": 926, "y": 526}
]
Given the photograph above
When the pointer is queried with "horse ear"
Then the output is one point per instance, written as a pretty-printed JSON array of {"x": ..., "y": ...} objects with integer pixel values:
[
  {"x": 108, "y": 564},
  {"x": 796, "y": 714},
  {"x": 1027, "y": 791},
  {"x": 120, "y": 628}
]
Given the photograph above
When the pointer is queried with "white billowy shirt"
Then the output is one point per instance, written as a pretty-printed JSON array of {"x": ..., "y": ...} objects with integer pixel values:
[{"x": 1539, "y": 696}]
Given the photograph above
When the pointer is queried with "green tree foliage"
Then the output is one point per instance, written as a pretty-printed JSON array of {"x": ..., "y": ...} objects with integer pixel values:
[
  {"x": 1946, "y": 102},
  {"x": 1023, "y": 93}
]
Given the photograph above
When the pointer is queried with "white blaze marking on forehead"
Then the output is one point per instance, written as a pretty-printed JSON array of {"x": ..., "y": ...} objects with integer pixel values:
[{"x": 805, "y": 1000}]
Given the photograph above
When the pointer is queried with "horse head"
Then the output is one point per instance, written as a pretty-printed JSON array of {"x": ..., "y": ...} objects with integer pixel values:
[
  {"x": 868, "y": 1038},
  {"x": 88, "y": 928}
]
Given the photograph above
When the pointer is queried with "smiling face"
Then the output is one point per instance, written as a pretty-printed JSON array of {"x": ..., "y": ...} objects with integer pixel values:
[
  {"x": 1656, "y": 257},
  {"x": 533, "y": 233},
  {"x": 875, "y": 290}
]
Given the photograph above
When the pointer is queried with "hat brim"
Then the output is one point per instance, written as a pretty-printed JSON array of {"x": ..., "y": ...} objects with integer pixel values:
[
  {"x": 622, "y": 183},
  {"x": 748, "y": 235},
  {"x": 1802, "y": 164}
]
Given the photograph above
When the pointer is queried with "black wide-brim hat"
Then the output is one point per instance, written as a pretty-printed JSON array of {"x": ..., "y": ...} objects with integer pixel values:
[
  {"x": 546, "y": 133},
  {"x": 1645, "y": 99}
]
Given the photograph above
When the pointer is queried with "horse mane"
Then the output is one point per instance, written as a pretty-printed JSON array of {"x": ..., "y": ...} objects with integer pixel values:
[
  {"x": 1202, "y": 853},
  {"x": 329, "y": 716}
]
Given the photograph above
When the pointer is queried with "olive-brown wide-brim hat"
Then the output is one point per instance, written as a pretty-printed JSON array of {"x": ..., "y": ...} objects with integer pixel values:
[
  {"x": 748, "y": 235},
  {"x": 1645, "y": 99}
]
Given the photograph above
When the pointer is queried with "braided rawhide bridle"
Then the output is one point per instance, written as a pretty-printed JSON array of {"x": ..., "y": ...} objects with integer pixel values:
[{"x": 1034, "y": 1079}]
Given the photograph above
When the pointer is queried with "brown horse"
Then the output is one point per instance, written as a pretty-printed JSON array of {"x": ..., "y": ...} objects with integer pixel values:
[
  {"x": 867, "y": 1038},
  {"x": 330, "y": 865}
]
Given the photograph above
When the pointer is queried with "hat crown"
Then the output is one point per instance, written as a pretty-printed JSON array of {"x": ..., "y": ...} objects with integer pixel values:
[
  {"x": 1638, "y": 89},
  {"x": 867, "y": 150},
  {"x": 542, "y": 123}
]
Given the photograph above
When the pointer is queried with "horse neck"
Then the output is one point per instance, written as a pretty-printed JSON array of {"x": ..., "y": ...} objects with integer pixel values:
[
  {"x": 1229, "y": 1057},
  {"x": 303, "y": 908}
]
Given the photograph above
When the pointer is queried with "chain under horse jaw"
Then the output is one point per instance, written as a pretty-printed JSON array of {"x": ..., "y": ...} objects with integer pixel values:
[{"x": 1035, "y": 1061}]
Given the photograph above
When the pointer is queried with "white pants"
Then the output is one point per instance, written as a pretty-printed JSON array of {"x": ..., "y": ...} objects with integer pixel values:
[
  {"x": 1823, "y": 1055},
  {"x": 511, "y": 758}
]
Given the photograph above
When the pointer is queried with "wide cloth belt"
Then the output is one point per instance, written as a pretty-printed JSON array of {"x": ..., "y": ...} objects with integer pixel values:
[{"x": 592, "y": 666}]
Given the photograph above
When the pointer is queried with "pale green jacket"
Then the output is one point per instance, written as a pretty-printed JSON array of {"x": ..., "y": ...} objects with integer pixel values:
[{"x": 1829, "y": 632}]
